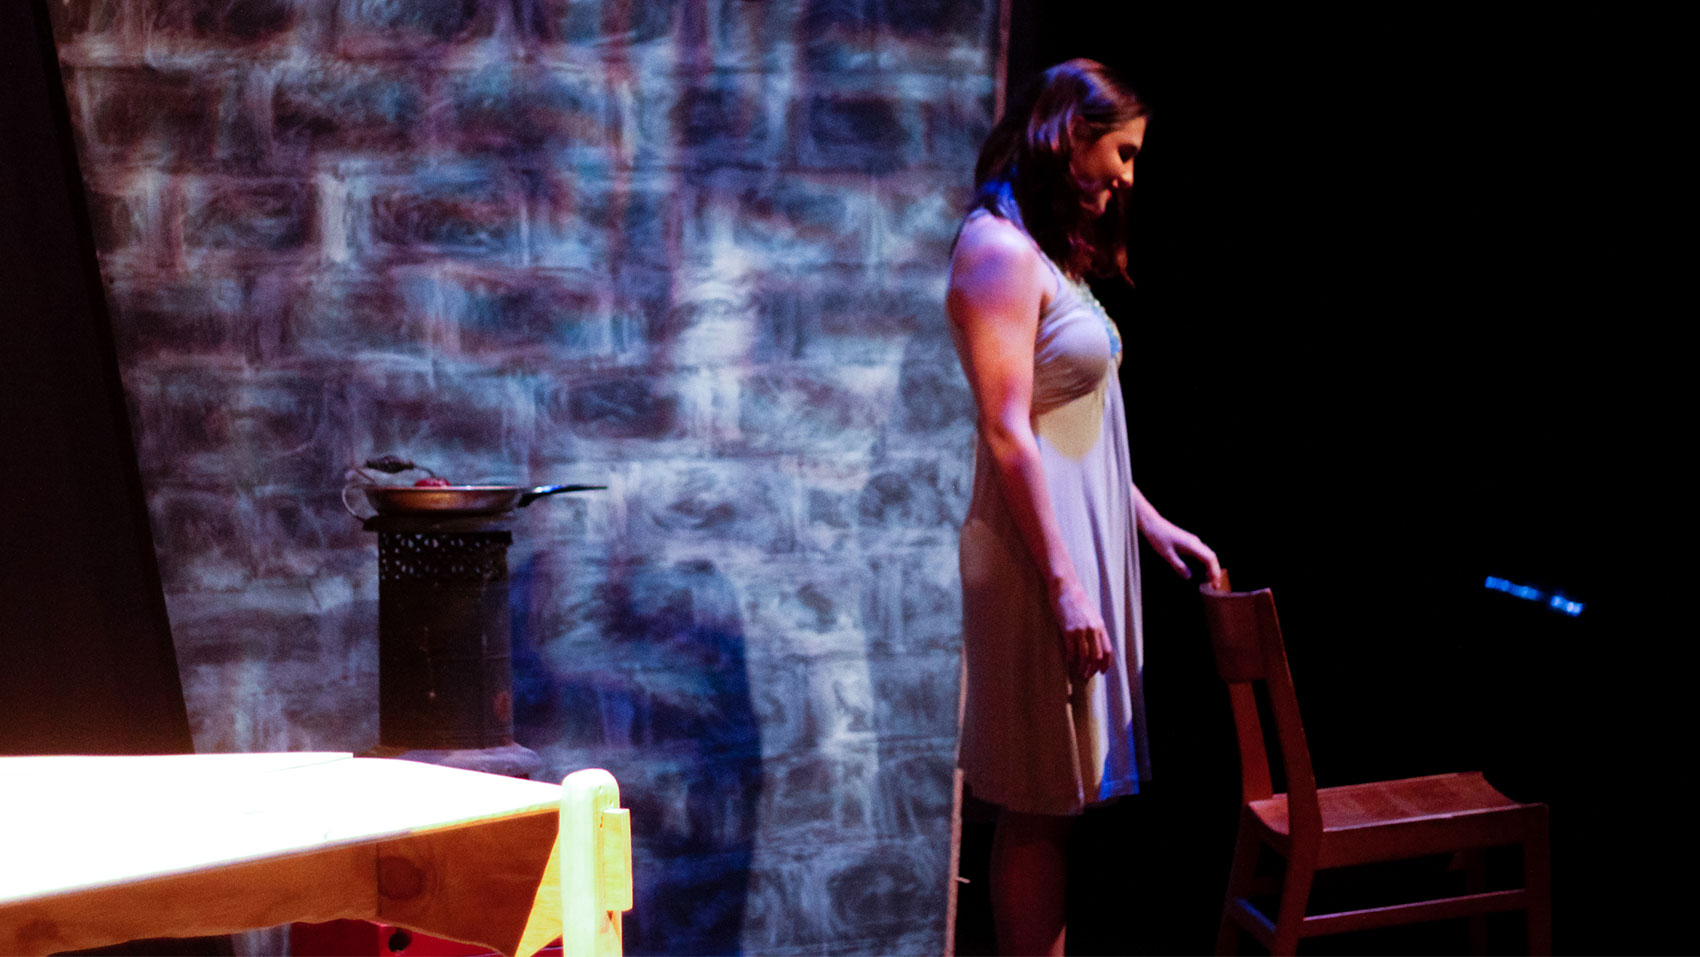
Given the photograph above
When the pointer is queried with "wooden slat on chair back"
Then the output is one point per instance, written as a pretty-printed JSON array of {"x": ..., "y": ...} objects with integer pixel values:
[
  {"x": 1246, "y": 637},
  {"x": 1236, "y": 633},
  {"x": 1231, "y": 620}
]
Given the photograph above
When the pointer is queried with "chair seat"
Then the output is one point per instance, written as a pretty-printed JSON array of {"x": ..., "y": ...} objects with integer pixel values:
[{"x": 1364, "y": 822}]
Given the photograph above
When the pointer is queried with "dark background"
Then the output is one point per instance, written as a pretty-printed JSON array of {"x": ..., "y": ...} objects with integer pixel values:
[
  {"x": 1390, "y": 337},
  {"x": 86, "y": 660}
]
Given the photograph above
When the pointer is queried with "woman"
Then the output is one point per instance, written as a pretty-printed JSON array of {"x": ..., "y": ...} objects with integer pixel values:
[{"x": 1050, "y": 570}]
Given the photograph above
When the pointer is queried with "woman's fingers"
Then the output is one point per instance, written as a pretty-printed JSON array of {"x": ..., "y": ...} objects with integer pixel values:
[
  {"x": 1078, "y": 625},
  {"x": 1081, "y": 653},
  {"x": 1213, "y": 565},
  {"x": 1204, "y": 554},
  {"x": 1086, "y": 648},
  {"x": 1189, "y": 544},
  {"x": 1087, "y": 652},
  {"x": 1171, "y": 552},
  {"x": 1178, "y": 563}
]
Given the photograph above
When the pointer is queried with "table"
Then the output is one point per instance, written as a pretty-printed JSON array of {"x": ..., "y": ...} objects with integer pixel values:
[{"x": 98, "y": 850}]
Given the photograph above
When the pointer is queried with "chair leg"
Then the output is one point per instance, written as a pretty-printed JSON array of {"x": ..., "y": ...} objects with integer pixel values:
[
  {"x": 1537, "y": 879},
  {"x": 1240, "y": 879},
  {"x": 1474, "y": 864},
  {"x": 1295, "y": 895}
]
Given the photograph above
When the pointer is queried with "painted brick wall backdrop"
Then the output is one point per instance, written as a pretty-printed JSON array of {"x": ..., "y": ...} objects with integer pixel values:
[{"x": 690, "y": 248}]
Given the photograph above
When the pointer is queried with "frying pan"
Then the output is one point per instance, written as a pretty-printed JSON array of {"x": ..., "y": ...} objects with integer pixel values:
[{"x": 447, "y": 500}]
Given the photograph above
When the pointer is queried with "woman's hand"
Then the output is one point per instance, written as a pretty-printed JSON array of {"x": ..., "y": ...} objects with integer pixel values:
[
  {"x": 1175, "y": 543},
  {"x": 1172, "y": 542},
  {"x": 1085, "y": 644}
]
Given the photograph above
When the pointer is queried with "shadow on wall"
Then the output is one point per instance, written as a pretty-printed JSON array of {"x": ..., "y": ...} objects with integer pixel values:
[{"x": 642, "y": 671}]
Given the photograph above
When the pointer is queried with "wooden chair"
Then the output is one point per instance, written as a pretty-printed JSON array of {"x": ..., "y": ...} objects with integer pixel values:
[{"x": 1315, "y": 829}]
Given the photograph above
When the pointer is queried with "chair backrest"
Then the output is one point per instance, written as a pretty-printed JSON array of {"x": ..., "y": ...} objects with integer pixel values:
[{"x": 1246, "y": 637}]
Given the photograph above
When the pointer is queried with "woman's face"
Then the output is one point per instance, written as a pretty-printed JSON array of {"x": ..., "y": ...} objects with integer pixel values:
[{"x": 1105, "y": 164}]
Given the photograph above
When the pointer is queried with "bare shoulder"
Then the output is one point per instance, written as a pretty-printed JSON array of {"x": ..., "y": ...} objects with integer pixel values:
[
  {"x": 995, "y": 267},
  {"x": 993, "y": 241}
]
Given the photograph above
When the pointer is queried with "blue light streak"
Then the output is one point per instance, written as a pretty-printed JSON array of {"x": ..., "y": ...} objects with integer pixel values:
[{"x": 1555, "y": 601}]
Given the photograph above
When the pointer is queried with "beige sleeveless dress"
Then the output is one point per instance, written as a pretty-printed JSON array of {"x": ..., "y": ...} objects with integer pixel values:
[{"x": 1031, "y": 741}]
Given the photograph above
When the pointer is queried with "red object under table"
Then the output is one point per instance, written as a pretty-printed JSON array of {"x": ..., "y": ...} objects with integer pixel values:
[{"x": 357, "y": 938}]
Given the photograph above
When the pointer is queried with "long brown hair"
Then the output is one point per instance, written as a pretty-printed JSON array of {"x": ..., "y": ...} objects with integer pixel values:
[{"x": 1023, "y": 171}]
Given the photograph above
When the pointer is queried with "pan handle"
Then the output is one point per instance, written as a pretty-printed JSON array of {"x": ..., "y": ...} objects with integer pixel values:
[
  {"x": 526, "y": 497},
  {"x": 350, "y": 487}
]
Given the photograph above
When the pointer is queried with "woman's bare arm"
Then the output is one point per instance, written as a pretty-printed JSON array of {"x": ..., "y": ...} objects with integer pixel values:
[{"x": 997, "y": 289}]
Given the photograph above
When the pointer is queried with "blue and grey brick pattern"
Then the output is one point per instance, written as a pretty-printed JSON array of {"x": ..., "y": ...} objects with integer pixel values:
[{"x": 693, "y": 249}]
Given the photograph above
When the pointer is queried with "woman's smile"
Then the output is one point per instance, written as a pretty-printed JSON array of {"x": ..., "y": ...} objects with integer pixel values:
[{"x": 1105, "y": 165}]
